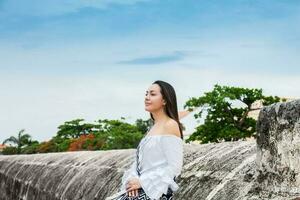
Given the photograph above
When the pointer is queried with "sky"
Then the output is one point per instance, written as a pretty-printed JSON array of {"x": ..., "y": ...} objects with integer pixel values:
[{"x": 94, "y": 59}]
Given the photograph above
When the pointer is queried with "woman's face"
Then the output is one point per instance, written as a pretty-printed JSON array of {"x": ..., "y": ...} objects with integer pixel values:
[{"x": 153, "y": 98}]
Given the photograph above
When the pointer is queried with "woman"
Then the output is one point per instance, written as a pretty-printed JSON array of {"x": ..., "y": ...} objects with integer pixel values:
[{"x": 159, "y": 155}]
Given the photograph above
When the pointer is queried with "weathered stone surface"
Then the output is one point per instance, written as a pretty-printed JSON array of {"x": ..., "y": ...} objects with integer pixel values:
[
  {"x": 278, "y": 156},
  {"x": 211, "y": 171},
  {"x": 242, "y": 170}
]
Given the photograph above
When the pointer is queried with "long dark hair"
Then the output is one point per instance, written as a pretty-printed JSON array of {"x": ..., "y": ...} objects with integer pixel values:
[{"x": 169, "y": 96}]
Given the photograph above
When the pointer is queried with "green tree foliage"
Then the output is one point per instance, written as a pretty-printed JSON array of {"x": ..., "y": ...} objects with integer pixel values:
[
  {"x": 74, "y": 128},
  {"x": 47, "y": 146},
  {"x": 61, "y": 144},
  {"x": 31, "y": 148},
  {"x": 118, "y": 134},
  {"x": 143, "y": 125},
  {"x": 104, "y": 134},
  {"x": 20, "y": 141},
  {"x": 10, "y": 150},
  {"x": 224, "y": 121},
  {"x": 55, "y": 144}
]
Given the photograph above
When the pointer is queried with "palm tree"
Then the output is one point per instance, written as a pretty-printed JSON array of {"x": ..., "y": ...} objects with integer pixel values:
[{"x": 20, "y": 141}]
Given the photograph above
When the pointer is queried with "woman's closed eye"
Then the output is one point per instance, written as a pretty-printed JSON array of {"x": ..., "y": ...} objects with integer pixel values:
[{"x": 150, "y": 94}]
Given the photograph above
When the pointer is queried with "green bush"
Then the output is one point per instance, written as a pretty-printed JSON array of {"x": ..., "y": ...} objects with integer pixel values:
[
  {"x": 30, "y": 149},
  {"x": 10, "y": 150}
]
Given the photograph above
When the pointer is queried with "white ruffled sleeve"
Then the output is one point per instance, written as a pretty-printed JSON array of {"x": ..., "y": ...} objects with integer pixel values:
[
  {"x": 128, "y": 174},
  {"x": 156, "y": 182}
]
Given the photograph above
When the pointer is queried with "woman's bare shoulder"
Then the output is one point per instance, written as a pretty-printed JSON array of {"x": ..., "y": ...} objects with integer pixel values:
[{"x": 173, "y": 128}]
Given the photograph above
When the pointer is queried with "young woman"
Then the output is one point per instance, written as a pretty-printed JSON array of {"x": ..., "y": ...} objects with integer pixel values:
[{"x": 159, "y": 155}]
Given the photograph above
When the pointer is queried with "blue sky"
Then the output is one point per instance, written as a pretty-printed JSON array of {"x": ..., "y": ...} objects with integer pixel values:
[{"x": 64, "y": 59}]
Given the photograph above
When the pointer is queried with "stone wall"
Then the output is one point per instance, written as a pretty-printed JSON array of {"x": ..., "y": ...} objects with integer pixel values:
[
  {"x": 211, "y": 171},
  {"x": 278, "y": 155},
  {"x": 266, "y": 169}
]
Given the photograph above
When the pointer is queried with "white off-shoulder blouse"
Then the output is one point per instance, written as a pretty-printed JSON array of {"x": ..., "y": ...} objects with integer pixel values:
[{"x": 161, "y": 159}]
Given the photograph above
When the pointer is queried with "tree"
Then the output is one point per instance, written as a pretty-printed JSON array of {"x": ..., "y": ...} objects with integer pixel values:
[
  {"x": 143, "y": 125},
  {"x": 21, "y": 140},
  {"x": 74, "y": 129},
  {"x": 223, "y": 121},
  {"x": 31, "y": 148},
  {"x": 118, "y": 134},
  {"x": 47, "y": 146},
  {"x": 84, "y": 142},
  {"x": 9, "y": 150}
]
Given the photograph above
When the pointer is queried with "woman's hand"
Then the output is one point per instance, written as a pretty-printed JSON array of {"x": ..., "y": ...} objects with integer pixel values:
[{"x": 132, "y": 186}]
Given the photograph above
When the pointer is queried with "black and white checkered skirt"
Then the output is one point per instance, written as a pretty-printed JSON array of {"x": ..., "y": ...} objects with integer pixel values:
[{"x": 142, "y": 196}]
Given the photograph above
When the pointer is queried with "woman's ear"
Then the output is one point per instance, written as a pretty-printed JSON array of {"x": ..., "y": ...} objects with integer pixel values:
[{"x": 164, "y": 102}]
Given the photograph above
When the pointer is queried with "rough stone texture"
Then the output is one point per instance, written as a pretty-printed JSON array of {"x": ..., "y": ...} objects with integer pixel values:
[
  {"x": 211, "y": 171},
  {"x": 278, "y": 156},
  {"x": 242, "y": 170}
]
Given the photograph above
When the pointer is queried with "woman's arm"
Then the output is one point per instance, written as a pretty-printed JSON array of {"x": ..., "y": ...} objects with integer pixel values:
[
  {"x": 184, "y": 113},
  {"x": 128, "y": 174},
  {"x": 156, "y": 182}
]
